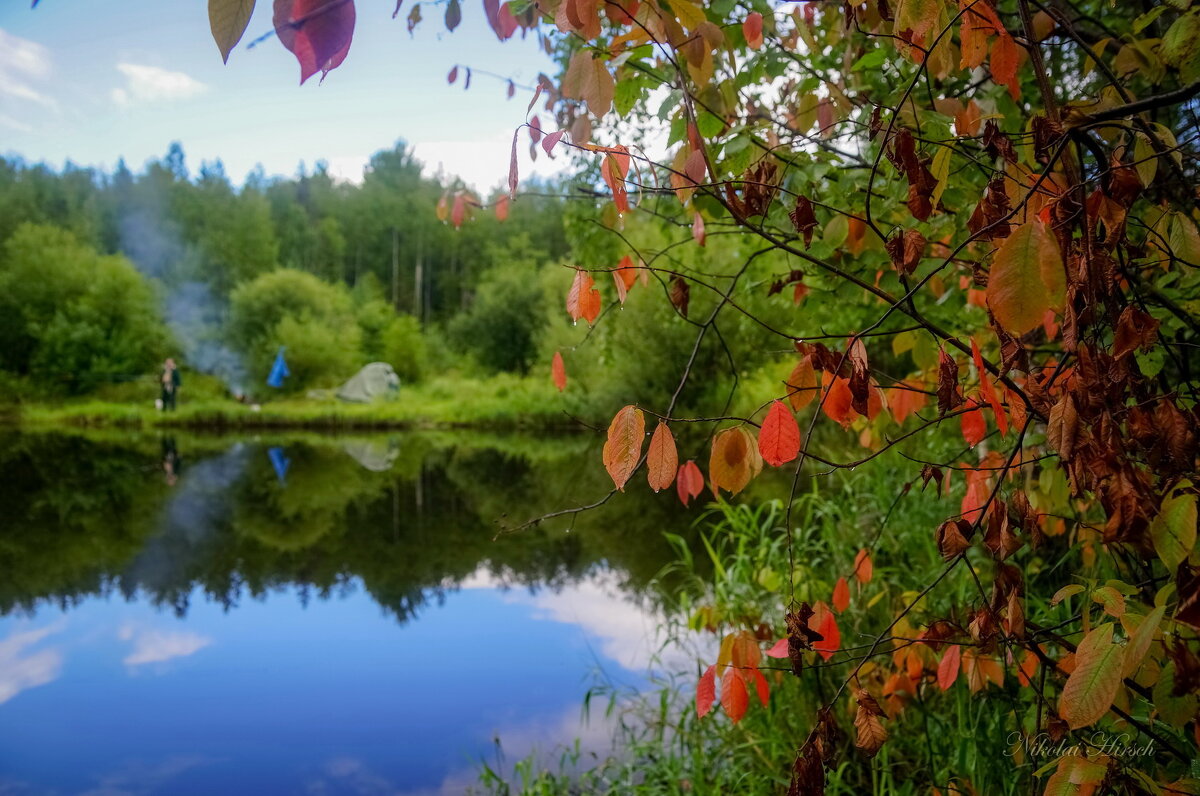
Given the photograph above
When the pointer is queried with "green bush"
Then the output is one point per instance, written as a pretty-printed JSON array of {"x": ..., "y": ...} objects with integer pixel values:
[
  {"x": 314, "y": 320},
  {"x": 403, "y": 346},
  {"x": 502, "y": 328},
  {"x": 71, "y": 318}
]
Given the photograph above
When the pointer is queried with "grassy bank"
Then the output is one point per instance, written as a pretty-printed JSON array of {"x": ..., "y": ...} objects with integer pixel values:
[{"x": 500, "y": 402}]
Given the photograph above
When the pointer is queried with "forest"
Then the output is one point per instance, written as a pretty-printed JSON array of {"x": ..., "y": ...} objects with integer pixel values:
[{"x": 220, "y": 275}]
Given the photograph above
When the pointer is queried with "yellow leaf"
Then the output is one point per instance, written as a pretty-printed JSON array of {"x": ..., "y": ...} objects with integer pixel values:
[{"x": 1092, "y": 686}]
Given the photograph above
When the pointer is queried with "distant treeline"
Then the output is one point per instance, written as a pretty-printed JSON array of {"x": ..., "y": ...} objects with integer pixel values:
[{"x": 102, "y": 275}]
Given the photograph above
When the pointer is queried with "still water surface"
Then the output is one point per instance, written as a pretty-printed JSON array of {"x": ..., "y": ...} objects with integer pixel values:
[{"x": 184, "y": 614}]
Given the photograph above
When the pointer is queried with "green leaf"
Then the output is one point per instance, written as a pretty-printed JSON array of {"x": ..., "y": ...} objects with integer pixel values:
[
  {"x": 1144, "y": 159},
  {"x": 1027, "y": 278},
  {"x": 872, "y": 60},
  {"x": 1139, "y": 642},
  {"x": 941, "y": 172},
  {"x": 228, "y": 20},
  {"x": 1181, "y": 46},
  {"x": 1091, "y": 688},
  {"x": 1173, "y": 531}
]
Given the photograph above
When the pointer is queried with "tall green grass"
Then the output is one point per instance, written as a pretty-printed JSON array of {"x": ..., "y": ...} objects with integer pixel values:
[{"x": 739, "y": 578}]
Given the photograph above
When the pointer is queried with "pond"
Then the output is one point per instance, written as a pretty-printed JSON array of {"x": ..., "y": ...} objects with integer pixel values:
[{"x": 295, "y": 613}]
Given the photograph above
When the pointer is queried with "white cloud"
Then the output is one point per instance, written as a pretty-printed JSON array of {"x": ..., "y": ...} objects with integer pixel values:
[
  {"x": 159, "y": 646},
  {"x": 483, "y": 165},
  {"x": 23, "y": 65},
  {"x": 20, "y": 672},
  {"x": 624, "y": 630},
  {"x": 144, "y": 84}
]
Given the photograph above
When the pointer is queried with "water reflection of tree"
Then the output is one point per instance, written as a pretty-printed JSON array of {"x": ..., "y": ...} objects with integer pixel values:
[{"x": 85, "y": 514}]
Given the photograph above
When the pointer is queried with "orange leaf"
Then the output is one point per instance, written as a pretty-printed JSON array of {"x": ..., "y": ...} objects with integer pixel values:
[
  {"x": 689, "y": 483},
  {"x": 779, "y": 437},
  {"x": 583, "y": 300},
  {"x": 802, "y": 384},
  {"x": 906, "y": 399},
  {"x": 947, "y": 671},
  {"x": 841, "y": 595},
  {"x": 863, "y": 568},
  {"x": 625, "y": 276},
  {"x": 1004, "y": 64},
  {"x": 778, "y": 650},
  {"x": 734, "y": 698},
  {"x": 974, "y": 426},
  {"x": 1027, "y": 278},
  {"x": 623, "y": 447},
  {"x": 662, "y": 459},
  {"x": 1028, "y": 668},
  {"x": 501, "y": 208},
  {"x": 838, "y": 400},
  {"x": 559, "y": 372},
  {"x": 733, "y": 462},
  {"x": 706, "y": 691}
]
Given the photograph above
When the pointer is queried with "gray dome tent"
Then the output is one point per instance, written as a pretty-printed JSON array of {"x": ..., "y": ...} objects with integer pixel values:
[{"x": 376, "y": 381}]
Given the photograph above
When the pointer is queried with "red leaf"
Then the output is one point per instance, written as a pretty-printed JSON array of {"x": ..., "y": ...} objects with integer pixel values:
[
  {"x": 734, "y": 699},
  {"x": 863, "y": 568},
  {"x": 689, "y": 482},
  {"x": 989, "y": 391},
  {"x": 947, "y": 671},
  {"x": 779, "y": 437},
  {"x": 450, "y": 78},
  {"x": 694, "y": 168},
  {"x": 752, "y": 28},
  {"x": 459, "y": 213},
  {"x": 698, "y": 233},
  {"x": 778, "y": 650},
  {"x": 502, "y": 208},
  {"x": 974, "y": 426},
  {"x": 760, "y": 685},
  {"x": 535, "y": 129},
  {"x": 826, "y": 625},
  {"x": 706, "y": 691},
  {"x": 559, "y": 372},
  {"x": 512, "y": 166},
  {"x": 317, "y": 32},
  {"x": 841, "y": 595},
  {"x": 550, "y": 140}
]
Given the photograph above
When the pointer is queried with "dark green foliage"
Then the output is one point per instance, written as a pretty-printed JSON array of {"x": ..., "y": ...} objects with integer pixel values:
[{"x": 71, "y": 318}]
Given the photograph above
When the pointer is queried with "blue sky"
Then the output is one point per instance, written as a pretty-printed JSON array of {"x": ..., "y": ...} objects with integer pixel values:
[{"x": 95, "y": 81}]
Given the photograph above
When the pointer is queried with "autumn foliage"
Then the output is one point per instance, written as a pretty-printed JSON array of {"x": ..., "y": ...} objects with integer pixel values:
[{"x": 1003, "y": 196}]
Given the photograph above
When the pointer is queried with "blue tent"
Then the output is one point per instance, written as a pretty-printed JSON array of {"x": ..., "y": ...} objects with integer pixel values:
[{"x": 279, "y": 371}]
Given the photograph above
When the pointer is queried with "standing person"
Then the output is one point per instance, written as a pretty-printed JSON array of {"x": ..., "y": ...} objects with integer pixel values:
[{"x": 170, "y": 382}]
